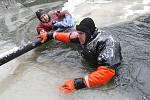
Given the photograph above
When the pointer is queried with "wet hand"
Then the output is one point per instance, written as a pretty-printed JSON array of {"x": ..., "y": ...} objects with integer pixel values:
[
  {"x": 67, "y": 87},
  {"x": 66, "y": 12},
  {"x": 43, "y": 35}
]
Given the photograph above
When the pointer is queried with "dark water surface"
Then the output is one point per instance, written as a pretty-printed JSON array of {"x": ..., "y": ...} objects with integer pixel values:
[{"x": 135, "y": 42}]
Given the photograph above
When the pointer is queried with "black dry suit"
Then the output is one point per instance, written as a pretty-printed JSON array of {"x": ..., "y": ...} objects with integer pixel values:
[{"x": 101, "y": 49}]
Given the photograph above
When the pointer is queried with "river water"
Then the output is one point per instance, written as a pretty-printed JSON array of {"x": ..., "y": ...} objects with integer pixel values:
[{"x": 38, "y": 73}]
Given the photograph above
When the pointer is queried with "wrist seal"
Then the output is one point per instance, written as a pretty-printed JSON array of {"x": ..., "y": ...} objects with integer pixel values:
[{"x": 79, "y": 83}]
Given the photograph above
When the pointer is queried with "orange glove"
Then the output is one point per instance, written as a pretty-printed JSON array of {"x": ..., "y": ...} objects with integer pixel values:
[
  {"x": 72, "y": 85},
  {"x": 43, "y": 35},
  {"x": 67, "y": 87}
]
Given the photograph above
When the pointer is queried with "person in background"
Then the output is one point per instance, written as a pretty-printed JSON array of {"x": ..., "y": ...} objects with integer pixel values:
[
  {"x": 52, "y": 21},
  {"x": 100, "y": 51}
]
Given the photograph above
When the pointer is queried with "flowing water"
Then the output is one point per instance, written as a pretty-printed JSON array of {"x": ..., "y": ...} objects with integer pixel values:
[{"x": 38, "y": 73}]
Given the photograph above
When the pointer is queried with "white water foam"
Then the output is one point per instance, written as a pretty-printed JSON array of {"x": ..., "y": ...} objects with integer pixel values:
[
  {"x": 146, "y": 1},
  {"x": 99, "y": 1},
  {"x": 9, "y": 52},
  {"x": 71, "y": 4},
  {"x": 130, "y": 12}
]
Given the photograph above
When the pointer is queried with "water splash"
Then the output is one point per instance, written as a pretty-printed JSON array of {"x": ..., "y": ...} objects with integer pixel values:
[
  {"x": 71, "y": 5},
  {"x": 146, "y": 2},
  {"x": 99, "y": 1},
  {"x": 132, "y": 10}
]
